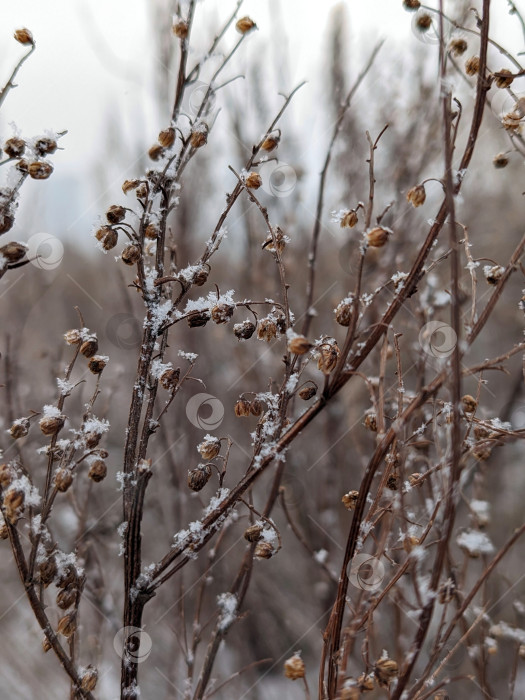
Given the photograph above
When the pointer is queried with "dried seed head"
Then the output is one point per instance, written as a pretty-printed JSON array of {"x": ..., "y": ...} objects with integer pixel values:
[
  {"x": 447, "y": 591},
  {"x": 142, "y": 191},
  {"x": 47, "y": 570},
  {"x": 253, "y": 533},
  {"x": 68, "y": 577},
  {"x": 349, "y": 219},
  {"x": 415, "y": 479},
  {"x": 97, "y": 363},
  {"x": 199, "y": 477},
  {"x": 198, "y": 318},
  {"x": 472, "y": 65},
  {"x": 270, "y": 143},
  {"x": 200, "y": 276},
  {"x": 410, "y": 542},
  {"x": 151, "y": 231},
  {"x": 221, "y": 313},
  {"x": 14, "y": 504},
  {"x": 6, "y": 222},
  {"x": 263, "y": 550},
  {"x": 366, "y": 682},
  {"x": 245, "y": 25},
  {"x": 424, "y": 22},
  {"x": 512, "y": 121},
  {"x": 392, "y": 482},
  {"x": 500, "y": 161},
  {"x": 370, "y": 421},
  {"x": 45, "y": 146},
  {"x": 73, "y": 336},
  {"x": 482, "y": 452},
  {"x": 504, "y": 79},
  {"x": 129, "y": 185},
  {"x": 13, "y": 252},
  {"x": 385, "y": 670},
  {"x": 170, "y": 378},
  {"x": 377, "y": 237},
  {"x": 493, "y": 274},
  {"x": 294, "y": 667},
  {"x": 88, "y": 680},
  {"x": 253, "y": 180},
  {"x": 299, "y": 345},
  {"x": 92, "y": 439},
  {"x": 481, "y": 432},
  {"x": 46, "y": 644},
  {"x": 275, "y": 242},
  {"x": 97, "y": 471},
  {"x": 4, "y": 530},
  {"x": 39, "y": 170},
  {"x": 109, "y": 239},
  {"x": 267, "y": 330},
  {"x": 22, "y": 166},
  {"x": 350, "y": 692},
  {"x": 115, "y": 214},
  {"x": 256, "y": 407},
  {"x": 131, "y": 254},
  {"x": 67, "y": 624},
  {"x": 51, "y": 425},
  {"x": 307, "y": 393},
  {"x": 24, "y": 36},
  {"x": 469, "y": 403},
  {"x": 14, "y": 147},
  {"x": 242, "y": 408},
  {"x": 199, "y": 136},
  {"x": 63, "y": 479},
  {"x": 209, "y": 448},
  {"x": 89, "y": 347},
  {"x": 156, "y": 151},
  {"x": 343, "y": 314},
  {"x": 457, "y": 47},
  {"x": 416, "y": 195},
  {"x": 244, "y": 330},
  {"x": 180, "y": 29},
  {"x": 20, "y": 428},
  {"x": 411, "y": 5},
  {"x": 66, "y": 598},
  {"x": 328, "y": 356},
  {"x": 167, "y": 137},
  {"x": 7, "y": 474},
  {"x": 350, "y": 499}
]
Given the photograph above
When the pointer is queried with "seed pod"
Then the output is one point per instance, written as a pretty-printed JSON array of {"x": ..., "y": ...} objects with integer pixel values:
[
  {"x": 73, "y": 336},
  {"x": 424, "y": 22},
  {"x": 416, "y": 195},
  {"x": 46, "y": 644},
  {"x": 24, "y": 36},
  {"x": 349, "y": 219},
  {"x": 350, "y": 691},
  {"x": 89, "y": 347},
  {"x": 409, "y": 543},
  {"x": 68, "y": 578},
  {"x": 481, "y": 432},
  {"x": 221, "y": 313},
  {"x": 66, "y": 598},
  {"x": 67, "y": 624},
  {"x": 370, "y": 421},
  {"x": 415, "y": 479},
  {"x": 366, "y": 682},
  {"x": 89, "y": 678},
  {"x": 411, "y": 5},
  {"x": 210, "y": 448},
  {"x": 38, "y": 170},
  {"x": 256, "y": 407},
  {"x": 267, "y": 330},
  {"x": 142, "y": 191},
  {"x": 447, "y": 591},
  {"x": 129, "y": 185},
  {"x": 63, "y": 479},
  {"x": 469, "y": 403},
  {"x": 97, "y": 470},
  {"x": 4, "y": 531},
  {"x": 20, "y": 428},
  {"x": 109, "y": 239},
  {"x": 263, "y": 550},
  {"x": 493, "y": 274},
  {"x": 377, "y": 237},
  {"x": 22, "y": 166},
  {"x": 156, "y": 151},
  {"x": 199, "y": 136},
  {"x": 7, "y": 474},
  {"x": 51, "y": 425},
  {"x": 167, "y": 137},
  {"x": 350, "y": 500},
  {"x": 47, "y": 570},
  {"x": 45, "y": 146},
  {"x": 299, "y": 345},
  {"x": 253, "y": 533},
  {"x": 14, "y": 503},
  {"x": 96, "y": 364},
  {"x": 14, "y": 147},
  {"x": 392, "y": 482},
  {"x": 6, "y": 222},
  {"x": 199, "y": 477},
  {"x": 294, "y": 667},
  {"x": 180, "y": 29},
  {"x": 472, "y": 65},
  {"x": 244, "y": 330},
  {"x": 115, "y": 214},
  {"x": 198, "y": 318},
  {"x": 253, "y": 180},
  {"x": 92, "y": 439},
  {"x": 457, "y": 47},
  {"x": 328, "y": 356},
  {"x": 343, "y": 314},
  {"x": 385, "y": 670},
  {"x": 504, "y": 79},
  {"x": 274, "y": 242},
  {"x": 500, "y": 161},
  {"x": 245, "y": 25},
  {"x": 13, "y": 252},
  {"x": 270, "y": 143},
  {"x": 307, "y": 393},
  {"x": 151, "y": 232},
  {"x": 242, "y": 408},
  {"x": 131, "y": 254},
  {"x": 170, "y": 378}
]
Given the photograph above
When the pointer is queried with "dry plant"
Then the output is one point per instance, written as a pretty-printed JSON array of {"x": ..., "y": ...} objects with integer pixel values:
[{"x": 418, "y": 575}]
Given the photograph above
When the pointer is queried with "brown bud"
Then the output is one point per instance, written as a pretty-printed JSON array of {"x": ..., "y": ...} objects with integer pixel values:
[
  {"x": 67, "y": 624},
  {"x": 198, "y": 318},
  {"x": 156, "y": 151},
  {"x": 210, "y": 448},
  {"x": 73, "y": 336},
  {"x": 167, "y": 137},
  {"x": 267, "y": 330},
  {"x": 256, "y": 407},
  {"x": 221, "y": 313},
  {"x": 415, "y": 479},
  {"x": 68, "y": 578},
  {"x": 14, "y": 147},
  {"x": 92, "y": 439},
  {"x": 328, "y": 356},
  {"x": 410, "y": 542},
  {"x": 481, "y": 432},
  {"x": 170, "y": 378},
  {"x": 242, "y": 408},
  {"x": 110, "y": 239},
  {"x": 377, "y": 237},
  {"x": 493, "y": 274},
  {"x": 504, "y": 79},
  {"x": 263, "y": 550},
  {"x": 89, "y": 678},
  {"x": 129, "y": 185},
  {"x": 6, "y": 222},
  {"x": 39, "y": 170},
  {"x": 180, "y": 29},
  {"x": 411, "y": 5},
  {"x": 200, "y": 277},
  {"x": 472, "y": 65},
  {"x": 457, "y": 47},
  {"x": 115, "y": 214},
  {"x": 199, "y": 477},
  {"x": 244, "y": 330},
  {"x": 500, "y": 161},
  {"x": 97, "y": 470},
  {"x": 51, "y": 425},
  {"x": 343, "y": 314},
  {"x": 63, "y": 479},
  {"x": 294, "y": 667},
  {"x": 424, "y": 22},
  {"x": 22, "y": 166},
  {"x": 24, "y": 36},
  {"x": 307, "y": 393},
  {"x": 199, "y": 136},
  {"x": 46, "y": 644},
  {"x": 366, "y": 682},
  {"x": 47, "y": 570},
  {"x": 45, "y": 146},
  {"x": 253, "y": 180},
  {"x": 96, "y": 364},
  {"x": 142, "y": 191},
  {"x": 392, "y": 482},
  {"x": 253, "y": 533},
  {"x": 131, "y": 254},
  {"x": 89, "y": 347},
  {"x": 349, "y": 219},
  {"x": 14, "y": 500},
  {"x": 416, "y": 195},
  {"x": 151, "y": 231},
  {"x": 66, "y": 598},
  {"x": 4, "y": 531},
  {"x": 245, "y": 25},
  {"x": 7, "y": 474},
  {"x": 350, "y": 500},
  {"x": 270, "y": 143},
  {"x": 299, "y": 345},
  {"x": 370, "y": 421},
  {"x": 385, "y": 670},
  {"x": 469, "y": 403},
  {"x": 20, "y": 428},
  {"x": 13, "y": 252}
]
